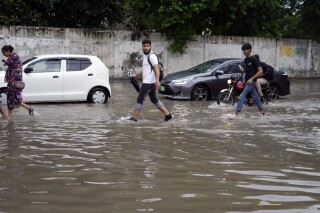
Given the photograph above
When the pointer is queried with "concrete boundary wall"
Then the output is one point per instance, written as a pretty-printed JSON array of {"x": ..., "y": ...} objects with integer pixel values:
[{"x": 296, "y": 56}]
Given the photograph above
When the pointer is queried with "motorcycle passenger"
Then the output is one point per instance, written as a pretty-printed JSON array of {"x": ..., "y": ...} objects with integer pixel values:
[
  {"x": 252, "y": 71},
  {"x": 260, "y": 81}
]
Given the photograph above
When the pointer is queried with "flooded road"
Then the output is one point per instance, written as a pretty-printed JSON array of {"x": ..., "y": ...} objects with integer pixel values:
[{"x": 80, "y": 157}]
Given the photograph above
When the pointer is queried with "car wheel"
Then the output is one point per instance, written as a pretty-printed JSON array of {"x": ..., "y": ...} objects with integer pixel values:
[
  {"x": 98, "y": 96},
  {"x": 273, "y": 92},
  {"x": 200, "y": 93}
]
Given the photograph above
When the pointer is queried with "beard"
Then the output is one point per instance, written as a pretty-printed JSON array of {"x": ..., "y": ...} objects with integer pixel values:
[{"x": 146, "y": 52}]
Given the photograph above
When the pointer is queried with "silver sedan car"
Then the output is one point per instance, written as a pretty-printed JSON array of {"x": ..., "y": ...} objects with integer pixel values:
[
  {"x": 200, "y": 82},
  {"x": 206, "y": 80}
]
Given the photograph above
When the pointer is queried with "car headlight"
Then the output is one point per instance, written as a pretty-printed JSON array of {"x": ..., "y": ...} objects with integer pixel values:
[{"x": 182, "y": 81}]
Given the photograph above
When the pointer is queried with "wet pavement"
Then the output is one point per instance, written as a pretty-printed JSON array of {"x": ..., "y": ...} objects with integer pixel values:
[{"x": 79, "y": 157}]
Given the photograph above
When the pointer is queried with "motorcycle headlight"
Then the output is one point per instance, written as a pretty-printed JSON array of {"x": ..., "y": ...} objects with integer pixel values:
[
  {"x": 229, "y": 81},
  {"x": 182, "y": 81}
]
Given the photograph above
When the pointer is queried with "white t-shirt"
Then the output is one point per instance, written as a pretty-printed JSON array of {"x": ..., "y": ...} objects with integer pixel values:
[{"x": 148, "y": 75}]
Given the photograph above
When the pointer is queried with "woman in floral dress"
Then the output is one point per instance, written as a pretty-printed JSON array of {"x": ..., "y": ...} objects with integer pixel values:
[{"x": 13, "y": 73}]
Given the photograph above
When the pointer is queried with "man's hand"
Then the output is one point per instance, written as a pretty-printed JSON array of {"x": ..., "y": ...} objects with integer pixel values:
[
  {"x": 249, "y": 81},
  {"x": 157, "y": 85}
]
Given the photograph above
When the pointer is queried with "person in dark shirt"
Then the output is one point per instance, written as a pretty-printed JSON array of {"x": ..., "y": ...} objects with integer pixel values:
[{"x": 252, "y": 71}]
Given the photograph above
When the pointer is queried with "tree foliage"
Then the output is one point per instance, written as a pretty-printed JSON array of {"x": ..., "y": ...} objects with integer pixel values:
[
  {"x": 179, "y": 20},
  {"x": 310, "y": 19},
  {"x": 62, "y": 13}
]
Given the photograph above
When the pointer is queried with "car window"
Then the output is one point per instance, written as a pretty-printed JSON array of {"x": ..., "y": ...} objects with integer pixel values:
[
  {"x": 206, "y": 67},
  {"x": 47, "y": 65},
  {"x": 28, "y": 60},
  {"x": 231, "y": 68},
  {"x": 78, "y": 64}
]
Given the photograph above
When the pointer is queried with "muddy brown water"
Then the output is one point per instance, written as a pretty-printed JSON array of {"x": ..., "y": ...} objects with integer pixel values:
[{"x": 79, "y": 157}]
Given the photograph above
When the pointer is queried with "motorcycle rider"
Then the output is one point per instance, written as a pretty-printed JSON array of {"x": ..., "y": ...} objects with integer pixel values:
[{"x": 252, "y": 71}]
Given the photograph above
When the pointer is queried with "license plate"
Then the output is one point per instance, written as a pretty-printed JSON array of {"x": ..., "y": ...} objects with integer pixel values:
[{"x": 162, "y": 89}]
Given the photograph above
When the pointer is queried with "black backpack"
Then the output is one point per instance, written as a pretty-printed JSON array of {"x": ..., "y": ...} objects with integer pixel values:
[
  {"x": 161, "y": 67},
  {"x": 268, "y": 72}
]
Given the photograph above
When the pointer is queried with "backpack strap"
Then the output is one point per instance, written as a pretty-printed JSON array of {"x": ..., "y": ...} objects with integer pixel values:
[{"x": 150, "y": 61}]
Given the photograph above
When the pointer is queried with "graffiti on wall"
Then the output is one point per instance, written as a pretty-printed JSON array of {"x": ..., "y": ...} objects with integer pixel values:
[{"x": 293, "y": 51}]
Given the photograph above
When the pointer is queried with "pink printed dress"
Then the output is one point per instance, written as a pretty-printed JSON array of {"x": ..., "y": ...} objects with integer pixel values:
[{"x": 13, "y": 73}]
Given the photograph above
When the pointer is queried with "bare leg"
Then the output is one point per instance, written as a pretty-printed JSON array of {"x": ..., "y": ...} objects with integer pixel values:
[
  {"x": 27, "y": 107},
  {"x": 3, "y": 113},
  {"x": 260, "y": 81},
  {"x": 136, "y": 114},
  {"x": 164, "y": 110},
  {"x": 10, "y": 113}
]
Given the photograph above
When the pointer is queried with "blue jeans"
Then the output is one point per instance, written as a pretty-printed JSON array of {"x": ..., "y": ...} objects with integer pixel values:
[{"x": 249, "y": 88}]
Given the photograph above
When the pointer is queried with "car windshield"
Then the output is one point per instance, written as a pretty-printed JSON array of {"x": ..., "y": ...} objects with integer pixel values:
[
  {"x": 28, "y": 60},
  {"x": 206, "y": 66}
]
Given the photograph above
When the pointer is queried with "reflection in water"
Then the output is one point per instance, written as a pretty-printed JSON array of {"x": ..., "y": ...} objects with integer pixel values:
[{"x": 78, "y": 158}]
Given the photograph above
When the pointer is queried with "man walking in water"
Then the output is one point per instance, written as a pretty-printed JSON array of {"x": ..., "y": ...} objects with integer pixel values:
[
  {"x": 252, "y": 71},
  {"x": 150, "y": 82}
]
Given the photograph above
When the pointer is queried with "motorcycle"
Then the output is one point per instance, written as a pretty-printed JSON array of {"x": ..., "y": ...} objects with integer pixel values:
[{"x": 235, "y": 87}]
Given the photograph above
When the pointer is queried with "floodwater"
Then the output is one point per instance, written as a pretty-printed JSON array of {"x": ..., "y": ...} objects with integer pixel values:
[{"x": 79, "y": 157}]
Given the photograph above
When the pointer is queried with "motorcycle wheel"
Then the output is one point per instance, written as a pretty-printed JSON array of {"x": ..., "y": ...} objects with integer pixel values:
[
  {"x": 264, "y": 99},
  {"x": 273, "y": 92},
  {"x": 223, "y": 98}
]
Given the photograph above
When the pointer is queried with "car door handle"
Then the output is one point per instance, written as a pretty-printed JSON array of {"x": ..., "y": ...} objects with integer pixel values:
[
  {"x": 90, "y": 74},
  {"x": 55, "y": 76}
]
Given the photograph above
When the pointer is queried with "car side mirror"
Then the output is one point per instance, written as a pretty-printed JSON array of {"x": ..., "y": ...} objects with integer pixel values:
[
  {"x": 219, "y": 72},
  {"x": 28, "y": 70}
]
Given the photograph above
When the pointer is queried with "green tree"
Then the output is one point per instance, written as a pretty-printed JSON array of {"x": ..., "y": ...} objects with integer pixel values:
[
  {"x": 62, "y": 13},
  {"x": 181, "y": 20},
  {"x": 310, "y": 19},
  {"x": 18, "y": 12}
]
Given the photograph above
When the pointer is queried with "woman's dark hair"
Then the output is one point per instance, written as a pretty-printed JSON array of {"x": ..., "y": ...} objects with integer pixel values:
[
  {"x": 246, "y": 46},
  {"x": 6, "y": 48},
  {"x": 146, "y": 41}
]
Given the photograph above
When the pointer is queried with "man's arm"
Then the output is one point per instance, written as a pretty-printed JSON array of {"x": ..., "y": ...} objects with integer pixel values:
[
  {"x": 257, "y": 75},
  {"x": 157, "y": 71}
]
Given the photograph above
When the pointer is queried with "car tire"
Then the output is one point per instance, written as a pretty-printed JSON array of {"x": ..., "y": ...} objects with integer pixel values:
[
  {"x": 3, "y": 90},
  {"x": 98, "y": 96},
  {"x": 273, "y": 92},
  {"x": 200, "y": 93}
]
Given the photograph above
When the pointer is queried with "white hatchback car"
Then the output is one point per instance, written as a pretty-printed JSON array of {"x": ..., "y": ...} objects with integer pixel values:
[{"x": 64, "y": 77}]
